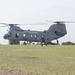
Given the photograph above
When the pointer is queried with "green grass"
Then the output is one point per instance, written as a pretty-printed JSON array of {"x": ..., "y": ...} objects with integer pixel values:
[{"x": 37, "y": 60}]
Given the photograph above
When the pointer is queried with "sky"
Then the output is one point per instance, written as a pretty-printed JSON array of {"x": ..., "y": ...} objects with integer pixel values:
[{"x": 32, "y": 11}]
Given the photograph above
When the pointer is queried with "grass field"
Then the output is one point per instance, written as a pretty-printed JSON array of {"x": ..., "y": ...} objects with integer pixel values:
[{"x": 37, "y": 60}]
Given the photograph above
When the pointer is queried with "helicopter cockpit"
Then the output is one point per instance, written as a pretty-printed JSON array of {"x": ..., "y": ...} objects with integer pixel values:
[{"x": 7, "y": 35}]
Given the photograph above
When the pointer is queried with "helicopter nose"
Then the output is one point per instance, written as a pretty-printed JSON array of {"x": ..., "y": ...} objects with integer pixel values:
[{"x": 5, "y": 36}]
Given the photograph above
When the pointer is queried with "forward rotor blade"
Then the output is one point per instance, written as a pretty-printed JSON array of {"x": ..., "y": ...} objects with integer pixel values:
[
  {"x": 3, "y": 26},
  {"x": 38, "y": 23},
  {"x": 8, "y": 24},
  {"x": 4, "y": 23}
]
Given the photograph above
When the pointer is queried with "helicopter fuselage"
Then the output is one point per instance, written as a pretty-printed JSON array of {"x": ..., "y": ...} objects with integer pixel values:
[{"x": 54, "y": 32}]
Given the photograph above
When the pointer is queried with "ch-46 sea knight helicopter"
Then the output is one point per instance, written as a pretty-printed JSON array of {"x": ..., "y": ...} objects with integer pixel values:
[{"x": 55, "y": 31}]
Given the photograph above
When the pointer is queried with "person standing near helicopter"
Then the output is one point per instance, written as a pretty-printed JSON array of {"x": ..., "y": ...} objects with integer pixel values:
[{"x": 42, "y": 41}]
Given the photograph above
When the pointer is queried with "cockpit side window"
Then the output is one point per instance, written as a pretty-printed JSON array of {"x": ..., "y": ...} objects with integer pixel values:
[{"x": 9, "y": 34}]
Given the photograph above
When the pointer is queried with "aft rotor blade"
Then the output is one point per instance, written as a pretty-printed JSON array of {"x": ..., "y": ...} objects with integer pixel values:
[
  {"x": 69, "y": 21},
  {"x": 61, "y": 21},
  {"x": 42, "y": 23}
]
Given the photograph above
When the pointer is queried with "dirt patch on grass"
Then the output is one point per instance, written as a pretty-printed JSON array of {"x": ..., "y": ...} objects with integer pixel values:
[{"x": 13, "y": 72}]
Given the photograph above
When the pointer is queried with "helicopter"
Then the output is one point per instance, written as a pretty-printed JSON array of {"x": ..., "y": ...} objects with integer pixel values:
[{"x": 54, "y": 32}]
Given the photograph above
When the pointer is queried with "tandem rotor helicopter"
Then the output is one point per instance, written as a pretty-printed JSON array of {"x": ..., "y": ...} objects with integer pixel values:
[{"x": 55, "y": 31}]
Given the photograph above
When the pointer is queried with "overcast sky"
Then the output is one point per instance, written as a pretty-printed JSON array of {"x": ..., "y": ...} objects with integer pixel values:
[{"x": 32, "y": 11}]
